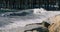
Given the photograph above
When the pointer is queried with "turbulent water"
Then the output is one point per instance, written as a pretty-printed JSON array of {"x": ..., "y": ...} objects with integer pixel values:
[{"x": 11, "y": 20}]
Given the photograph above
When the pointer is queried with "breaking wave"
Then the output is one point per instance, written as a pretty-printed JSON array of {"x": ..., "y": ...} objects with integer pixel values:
[{"x": 24, "y": 17}]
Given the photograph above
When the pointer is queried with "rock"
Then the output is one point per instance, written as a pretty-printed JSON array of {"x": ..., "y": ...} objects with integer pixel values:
[
  {"x": 39, "y": 29},
  {"x": 42, "y": 28},
  {"x": 55, "y": 26}
]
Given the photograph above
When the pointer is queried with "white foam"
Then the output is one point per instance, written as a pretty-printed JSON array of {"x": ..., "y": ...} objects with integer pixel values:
[
  {"x": 22, "y": 23},
  {"x": 38, "y": 11}
]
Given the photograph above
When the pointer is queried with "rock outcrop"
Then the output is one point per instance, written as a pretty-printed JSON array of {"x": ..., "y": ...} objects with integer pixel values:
[{"x": 55, "y": 26}]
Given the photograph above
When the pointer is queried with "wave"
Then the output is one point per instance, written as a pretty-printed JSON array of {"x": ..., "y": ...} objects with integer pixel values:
[{"x": 22, "y": 18}]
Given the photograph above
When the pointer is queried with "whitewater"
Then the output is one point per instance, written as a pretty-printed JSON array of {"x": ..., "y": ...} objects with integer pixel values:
[{"x": 10, "y": 20}]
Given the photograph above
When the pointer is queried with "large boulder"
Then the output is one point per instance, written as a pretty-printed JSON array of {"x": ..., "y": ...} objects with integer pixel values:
[{"x": 55, "y": 26}]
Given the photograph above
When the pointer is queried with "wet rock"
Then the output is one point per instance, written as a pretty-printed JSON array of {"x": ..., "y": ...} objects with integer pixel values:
[
  {"x": 42, "y": 28},
  {"x": 39, "y": 29}
]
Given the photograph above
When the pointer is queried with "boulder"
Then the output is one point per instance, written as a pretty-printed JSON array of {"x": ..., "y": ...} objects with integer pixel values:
[{"x": 55, "y": 26}]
